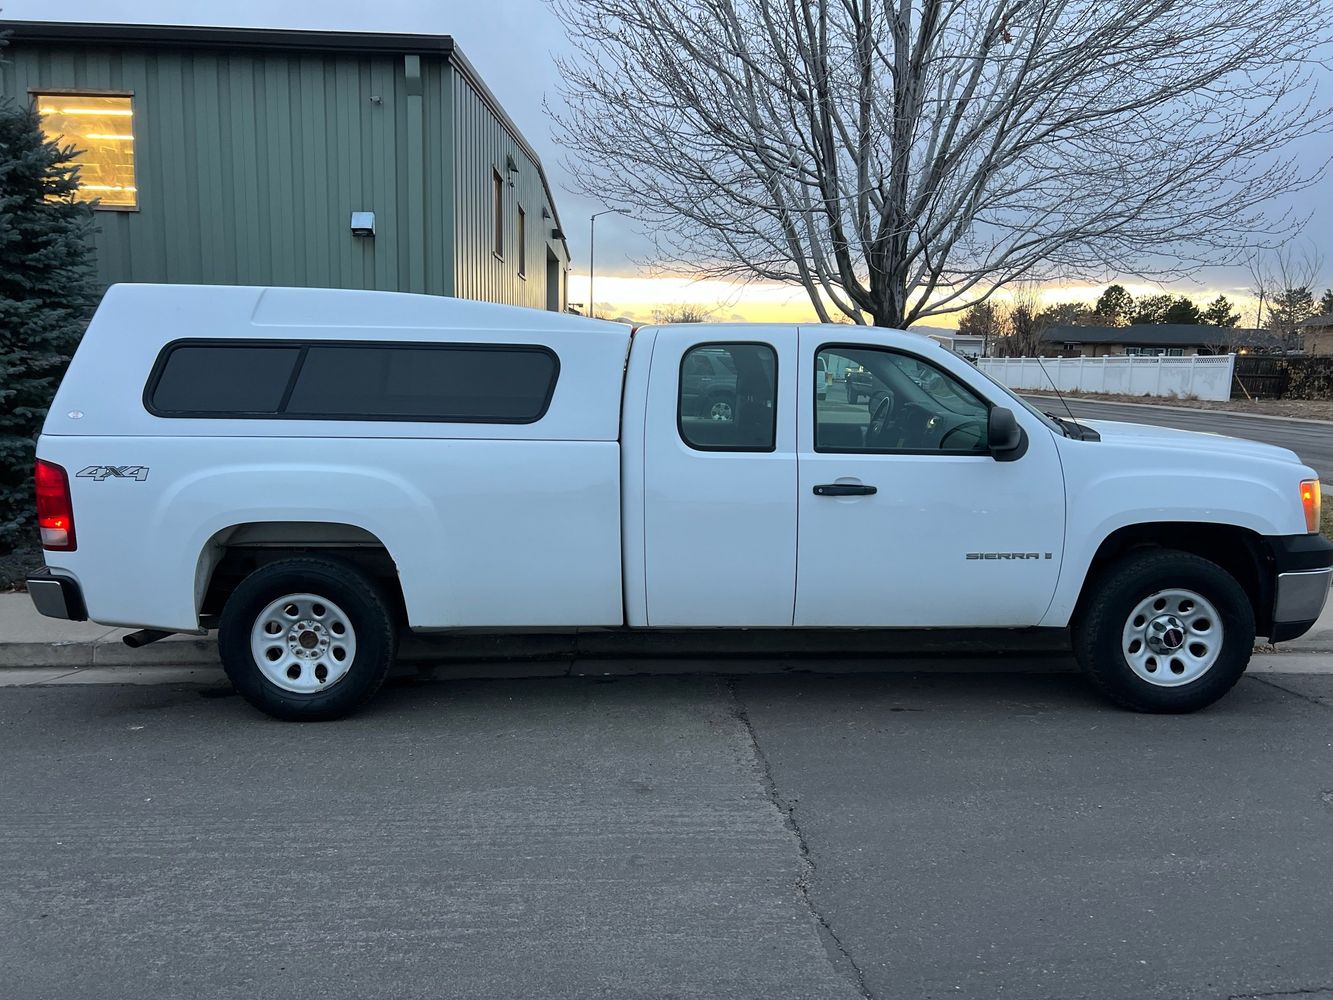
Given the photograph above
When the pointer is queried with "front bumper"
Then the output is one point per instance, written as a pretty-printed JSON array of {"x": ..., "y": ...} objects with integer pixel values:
[
  {"x": 1303, "y": 567},
  {"x": 57, "y": 596}
]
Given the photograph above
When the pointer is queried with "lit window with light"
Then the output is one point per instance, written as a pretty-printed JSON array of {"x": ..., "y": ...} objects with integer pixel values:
[{"x": 101, "y": 129}]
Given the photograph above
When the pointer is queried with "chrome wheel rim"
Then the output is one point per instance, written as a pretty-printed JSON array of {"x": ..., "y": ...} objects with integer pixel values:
[
  {"x": 720, "y": 410},
  {"x": 1172, "y": 637},
  {"x": 303, "y": 643}
]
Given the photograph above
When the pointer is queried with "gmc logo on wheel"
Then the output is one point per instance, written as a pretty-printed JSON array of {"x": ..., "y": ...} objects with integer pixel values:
[{"x": 97, "y": 473}]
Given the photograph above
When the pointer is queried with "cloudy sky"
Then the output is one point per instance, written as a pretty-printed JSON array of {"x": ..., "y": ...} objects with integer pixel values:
[{"x": 511, "y": 43}]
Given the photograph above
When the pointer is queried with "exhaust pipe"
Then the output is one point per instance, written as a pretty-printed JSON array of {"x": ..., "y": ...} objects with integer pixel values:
[{"x": 143, "y": 637}]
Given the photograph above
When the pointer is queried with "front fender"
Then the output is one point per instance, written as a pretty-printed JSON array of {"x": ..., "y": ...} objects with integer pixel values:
[{"x": 1111, "y": 488}]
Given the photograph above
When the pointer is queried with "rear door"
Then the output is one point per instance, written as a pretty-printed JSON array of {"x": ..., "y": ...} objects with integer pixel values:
[
  {"x": 905, "y": 517},
  {"x": 720, "y": 477}
]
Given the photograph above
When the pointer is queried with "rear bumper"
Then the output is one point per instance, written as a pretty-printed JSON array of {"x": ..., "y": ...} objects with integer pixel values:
[
  {"x": 1303, "y": 566},
  {"x": 57, "y": 596}
]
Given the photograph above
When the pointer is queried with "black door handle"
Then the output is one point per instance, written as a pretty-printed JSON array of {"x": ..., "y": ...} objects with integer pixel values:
[{"x": 843, "y": 490}]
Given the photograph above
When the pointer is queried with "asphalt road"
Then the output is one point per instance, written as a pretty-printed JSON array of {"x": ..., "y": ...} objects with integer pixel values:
[
  {"x": 1313, "y": 442},
  {"x": 884, "y": 836}
]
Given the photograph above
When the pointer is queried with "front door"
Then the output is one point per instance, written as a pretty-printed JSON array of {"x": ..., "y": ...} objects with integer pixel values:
[
  {"x": 905, "y": 518},
  {"x": 720, "y": 480}
]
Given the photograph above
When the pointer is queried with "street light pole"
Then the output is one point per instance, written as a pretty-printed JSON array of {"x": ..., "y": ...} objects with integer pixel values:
[{"x": 592, "y": 252}]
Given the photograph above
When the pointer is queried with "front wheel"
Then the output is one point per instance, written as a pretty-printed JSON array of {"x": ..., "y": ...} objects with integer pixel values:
[
  {"x": 1164, "y": 631},
  {"x": 307, "y": 639}
]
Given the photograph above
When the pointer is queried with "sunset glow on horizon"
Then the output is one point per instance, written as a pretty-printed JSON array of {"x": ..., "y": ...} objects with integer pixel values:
[{"x": 634, "y": 298}]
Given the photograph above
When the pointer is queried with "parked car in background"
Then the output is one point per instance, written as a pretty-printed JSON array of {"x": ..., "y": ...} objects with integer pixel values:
[
  {"x": 862, "y": 385},
  {"x": 708, "y": 385}
]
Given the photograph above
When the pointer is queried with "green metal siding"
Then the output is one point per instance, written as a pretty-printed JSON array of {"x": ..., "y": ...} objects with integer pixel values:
[
  {"x": 250, "y": 164},
  {"x": 481, "y": 144}
]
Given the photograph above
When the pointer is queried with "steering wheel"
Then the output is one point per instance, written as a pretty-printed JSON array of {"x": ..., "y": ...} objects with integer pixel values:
[
  {"x": 878, "y": 420},
  {"x": 975, "y": 426}
]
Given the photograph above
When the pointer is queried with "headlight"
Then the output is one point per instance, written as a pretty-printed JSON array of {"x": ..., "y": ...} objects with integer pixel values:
[{"x": 1311, "y": 500}]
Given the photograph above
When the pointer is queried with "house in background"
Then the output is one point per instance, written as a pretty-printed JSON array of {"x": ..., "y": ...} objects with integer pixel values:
[
  {"x": 1317, "y": 335},
  {"x": 336, "y": 159},
  {"x": 966, "y": 344},
  {"x": 1153, "y": 339}
]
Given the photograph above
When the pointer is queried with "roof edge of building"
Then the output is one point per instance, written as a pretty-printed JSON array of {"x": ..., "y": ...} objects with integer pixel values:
[
  {"x": 465, "y": 67},
  {"x": 212, "y": 36}
]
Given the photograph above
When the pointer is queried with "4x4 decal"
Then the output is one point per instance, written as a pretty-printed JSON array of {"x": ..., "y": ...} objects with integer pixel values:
[{"x": 97, "y": 473}]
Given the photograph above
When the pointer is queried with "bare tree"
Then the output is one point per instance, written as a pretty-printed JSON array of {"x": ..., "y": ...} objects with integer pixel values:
[
  {"x": 1283, "y": 280},
  {"x": 680, "y": 314},
  {"x": 1026, "y": 324},
  {"x": 900, "y": 161}
]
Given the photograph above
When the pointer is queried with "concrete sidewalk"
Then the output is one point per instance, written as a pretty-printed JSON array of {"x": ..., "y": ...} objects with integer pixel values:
[{"x": 37, "y": 650}]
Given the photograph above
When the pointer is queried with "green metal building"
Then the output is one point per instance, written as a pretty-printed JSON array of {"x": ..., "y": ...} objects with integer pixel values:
[{"x": 333, "y": 159}]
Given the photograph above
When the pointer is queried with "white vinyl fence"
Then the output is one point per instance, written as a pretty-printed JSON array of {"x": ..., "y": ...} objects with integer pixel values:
[{"x": 1204, "y": 377}]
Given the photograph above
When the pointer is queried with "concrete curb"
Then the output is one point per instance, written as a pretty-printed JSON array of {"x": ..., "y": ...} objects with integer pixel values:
[{"x": 1177, "y": 409}]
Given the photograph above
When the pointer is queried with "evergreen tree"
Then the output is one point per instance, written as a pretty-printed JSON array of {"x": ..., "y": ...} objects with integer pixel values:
[
  {"x": 1220, "y": 313},
  {"x": 1290, "y": 306},
  {"x": 1326, "y": 303},
  {"x": 1115, "y": 306},
  {"x": 46, "y": 297},
  {"x": 1151, "y": 309},
  {"x": 1182, "y": 310}
]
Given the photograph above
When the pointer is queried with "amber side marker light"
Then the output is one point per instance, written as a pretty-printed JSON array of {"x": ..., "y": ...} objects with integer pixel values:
[{"x": 1311, "y": 501}]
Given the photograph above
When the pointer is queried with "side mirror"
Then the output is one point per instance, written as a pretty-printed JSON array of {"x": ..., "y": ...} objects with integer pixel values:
[{"x": 1004, "y": 437}]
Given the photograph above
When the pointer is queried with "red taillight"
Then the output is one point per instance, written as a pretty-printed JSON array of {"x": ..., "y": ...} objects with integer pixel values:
[{"x": 55, "y": 510}]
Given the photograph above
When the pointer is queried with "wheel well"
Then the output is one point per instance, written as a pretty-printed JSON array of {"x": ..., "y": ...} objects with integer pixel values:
[
  {"x": 234, "y": 553},
  {"x": 1239, "y": 551}
]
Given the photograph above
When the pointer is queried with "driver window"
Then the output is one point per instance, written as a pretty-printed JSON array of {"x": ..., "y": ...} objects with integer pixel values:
[{"x": 883, "y": 402}]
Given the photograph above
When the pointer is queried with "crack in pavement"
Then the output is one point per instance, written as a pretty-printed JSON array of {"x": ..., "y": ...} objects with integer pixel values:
[
  {"x": 1279, "y": 994},
  {"x": 788, "y": 813},
  {"x": 1263, "y": 679}
]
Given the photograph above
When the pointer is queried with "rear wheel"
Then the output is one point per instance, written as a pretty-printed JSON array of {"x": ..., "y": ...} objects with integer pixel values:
[
  {"x": 1165, "y": 631},
  {"x": 307, "y": 638},
  {"x": 719, "y": 408}
]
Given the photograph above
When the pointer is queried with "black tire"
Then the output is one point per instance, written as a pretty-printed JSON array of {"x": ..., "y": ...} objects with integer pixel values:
[
  {"x": 1113, "y": 595},
  {"x": 706, "y": 412},
  {"x": 360, "y": 599}
]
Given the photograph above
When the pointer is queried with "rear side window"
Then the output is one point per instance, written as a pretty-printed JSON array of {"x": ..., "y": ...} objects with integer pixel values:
[
  {"x": 469, "y": 383},
  {"x": 235, "y": 380},
  {"x": 728, "y": 397}
]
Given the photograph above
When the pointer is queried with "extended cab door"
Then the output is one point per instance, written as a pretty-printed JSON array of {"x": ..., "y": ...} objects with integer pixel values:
[
  {"x": 905, "y": 517},
  {"x": 719, "y": 476}
]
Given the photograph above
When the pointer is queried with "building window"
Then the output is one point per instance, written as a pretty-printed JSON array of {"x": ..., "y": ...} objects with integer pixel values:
[
  {"x": 522, "y": 243},
  {"x": 101, "y": 128},
  {"x": 498, "y": 191}
]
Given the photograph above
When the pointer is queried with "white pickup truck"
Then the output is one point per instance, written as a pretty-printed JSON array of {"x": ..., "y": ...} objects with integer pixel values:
[{"x": 312, "y": 471}]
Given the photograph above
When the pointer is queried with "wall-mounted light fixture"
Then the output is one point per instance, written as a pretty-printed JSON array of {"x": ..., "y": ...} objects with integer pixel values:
[
  {"x": 363, "y": 223},
  {"x": 511, "y": 168}
]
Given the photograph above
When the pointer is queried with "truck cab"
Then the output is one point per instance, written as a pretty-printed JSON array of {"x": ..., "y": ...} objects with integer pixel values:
[{"x": 314, "y": 471}]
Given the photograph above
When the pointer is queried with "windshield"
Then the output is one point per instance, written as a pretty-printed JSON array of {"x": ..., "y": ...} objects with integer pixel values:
[{"x": 1048, "y": 421}]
